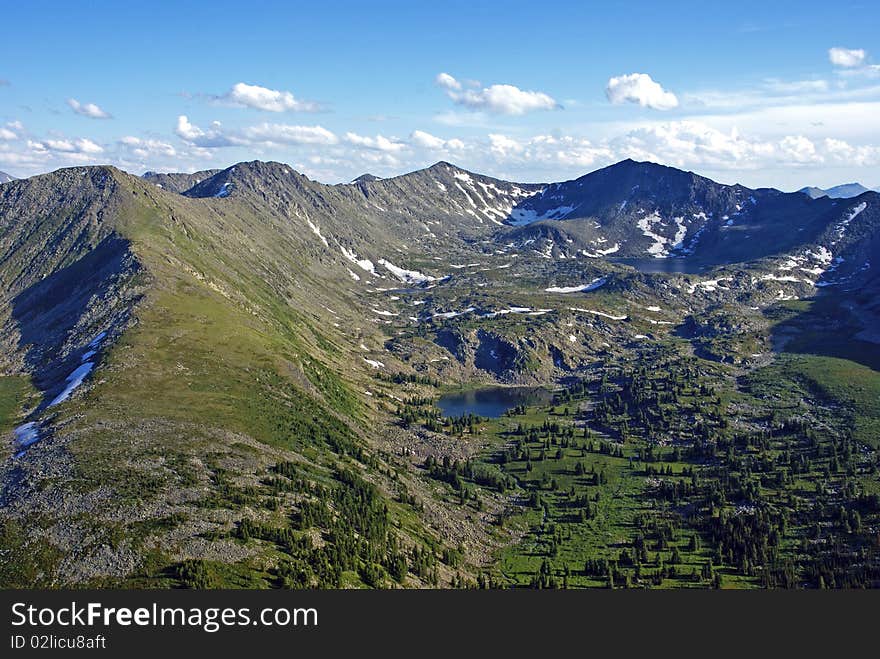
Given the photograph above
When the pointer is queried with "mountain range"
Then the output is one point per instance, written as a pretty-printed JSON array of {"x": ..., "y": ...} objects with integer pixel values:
[
  {"x": 844, "y": 191},
  {"x": 188, "y": 355}
]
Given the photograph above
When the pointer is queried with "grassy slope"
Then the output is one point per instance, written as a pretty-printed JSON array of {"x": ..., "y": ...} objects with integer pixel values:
[
  {"x": 182, "y": 396},
  {"x": 822, "y": 349}
]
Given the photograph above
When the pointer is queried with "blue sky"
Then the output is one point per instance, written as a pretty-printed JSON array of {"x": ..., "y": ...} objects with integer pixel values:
[{"x": 782, "y": 94}]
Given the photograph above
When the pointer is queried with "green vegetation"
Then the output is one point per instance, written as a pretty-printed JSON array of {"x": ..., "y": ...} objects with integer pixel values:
[
  {"x": 638, "y": 478},
  {"x": 15, "y": 392}
]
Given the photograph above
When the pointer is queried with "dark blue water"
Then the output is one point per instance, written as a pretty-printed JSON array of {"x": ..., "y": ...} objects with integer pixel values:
[
  {"x": 652, "y": 266},
  {"x": 491, "y": 402}
]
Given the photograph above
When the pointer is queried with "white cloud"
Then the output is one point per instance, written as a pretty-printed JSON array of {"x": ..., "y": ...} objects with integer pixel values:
[
  {"x": 447, "y": 82},
  {"x": 797, "y": 149},
  {"x": 427, "y": 141},
  {"x": 774, "y": 92},
  {"x": 87, "y": 146},
  {"x": 270, "y": 100},
  {"x": 695, "y": 144},
  {"x": 504, "y": 146},
  {"x": 187, "y": 131},
  {"x": 685, "y": 144},
  {"x": 265, "y": 134},
  {"x": 795, "y": 86},
  {"x": 498, "y": 99},
  {"x": 208, "y": 139},
  {"x": 288, "y": 134},
  {"x": 847, "y": 57},
  {"x": 379, "y": 143},
  {"x": 642, "y": 89},
  {"x": 855, "y": 121},
  {"x": 87, "y": 109},
  {"x": 11, "y": 131},
  {"x": 147, "y": 149},
  {"x": 39, "y": 155},
  {"x": 550, "y": 151},
  {"x": 868, "y": 71},
  {"x": 82, "y": 145},
  {"x": 840, "y": 152}
]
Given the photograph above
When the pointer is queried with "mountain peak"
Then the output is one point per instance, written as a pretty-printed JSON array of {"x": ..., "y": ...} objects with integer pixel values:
[
  {"x": 444, "y": 164},
  {"x": 843, "y": 191},
  {"x": 366, "y": 178},
  {"x": 253, "y": 174}
]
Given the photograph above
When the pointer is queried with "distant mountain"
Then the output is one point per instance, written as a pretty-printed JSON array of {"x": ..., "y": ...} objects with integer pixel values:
[
  {"x": 637, "y": 209},
  {"x": 813, "y": 192},
  {"x": 178, "y": 182},
  {"x": 845, "y": 191},
  {"x": 366, "y": 178},
  {"x": 6, "y": 178}
]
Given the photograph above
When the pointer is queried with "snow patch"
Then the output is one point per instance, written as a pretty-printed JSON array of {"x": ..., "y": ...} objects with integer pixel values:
[
  {"x": 661, "y": 246},
  {"x": 73, "y": 381},
  {"x": 582, "y": 288},
  {"x": 598, "y": 313},
  {"x": 26, "y": 434},
  {"x": 317, "y": 231},
  {"x": 364, "y": 264},
  {"x": 453, "y": 314},
  {"x": 406, "y": 276},
  {"x": 601, "y": 252}
]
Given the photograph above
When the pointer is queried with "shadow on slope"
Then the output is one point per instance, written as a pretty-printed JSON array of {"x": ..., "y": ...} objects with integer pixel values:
[{"x": 60, "y": 315}]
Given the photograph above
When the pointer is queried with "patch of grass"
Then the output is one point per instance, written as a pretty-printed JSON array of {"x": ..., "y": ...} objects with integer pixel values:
[
  {"x": 15, "y": 392},
  {"x": 853, "y": 385},
  {"x": 25, "y": 561}
]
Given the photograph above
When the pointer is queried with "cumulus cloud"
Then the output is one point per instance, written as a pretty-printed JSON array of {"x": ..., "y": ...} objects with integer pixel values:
[
  {"x": 208, "y": 139},
  {"x": 549, "y": 151},
  {"x": 88, "y": 109},
  {"x": 427, "y": 141},
  {"x": 642, "y": 89},
  {"x": 847, "y": 57},
  {"x": 447, "y": 82},
  {"x": 270, "y": 100},
  {"x": 498, "y": 99},
  {"x": 37, "y": 155},
  {"x": 504, "y": 146},
  {"x": 11, "y": 131},
  {"x": 147, "y": 148},
  {"x": 288, "y": 134},
  {"x": 684, "y": 144},
  {"x": 379, "y": 143},
  {"x": 81, "y": 145},
  {"x": 187, "y": 131},
  {"x": 266, "y": 134}
]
